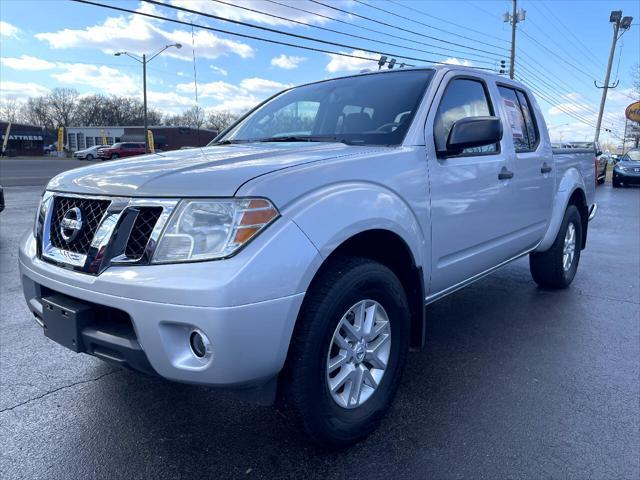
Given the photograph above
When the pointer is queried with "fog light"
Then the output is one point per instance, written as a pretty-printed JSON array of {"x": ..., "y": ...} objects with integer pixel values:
[{"x": 200, "y": 345}]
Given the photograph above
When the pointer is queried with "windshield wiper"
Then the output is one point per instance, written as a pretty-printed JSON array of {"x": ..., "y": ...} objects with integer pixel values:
[
  {"x": 228, "y": 142},
  {"x": 303, "y": 138}
]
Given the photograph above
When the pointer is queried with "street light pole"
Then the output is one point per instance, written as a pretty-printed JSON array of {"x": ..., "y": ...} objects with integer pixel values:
[
  {"x": 619, "y": 22},
  {"x": 143, "y": 60},
  {"x": 516, "y": 16}
]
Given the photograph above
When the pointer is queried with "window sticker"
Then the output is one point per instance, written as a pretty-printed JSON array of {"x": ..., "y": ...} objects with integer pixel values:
[{"x": 515, "y": 120}]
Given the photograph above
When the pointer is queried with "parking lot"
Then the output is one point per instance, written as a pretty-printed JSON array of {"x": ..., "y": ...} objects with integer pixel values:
[{"x": 514, "y": 382}]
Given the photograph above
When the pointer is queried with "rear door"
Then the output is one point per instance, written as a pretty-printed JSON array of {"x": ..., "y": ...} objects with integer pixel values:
[
  {"x": 470, "y": 192},
  {"x": 532, "y": 165}
]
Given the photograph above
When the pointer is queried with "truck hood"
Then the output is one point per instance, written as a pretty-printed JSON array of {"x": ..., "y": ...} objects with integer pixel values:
[{"x": 198, "y": 172}]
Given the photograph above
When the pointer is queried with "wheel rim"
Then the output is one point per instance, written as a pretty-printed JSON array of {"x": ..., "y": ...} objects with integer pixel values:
[
  {"x": 569, "y": 250},
  {"x": 358, "y": 354}
]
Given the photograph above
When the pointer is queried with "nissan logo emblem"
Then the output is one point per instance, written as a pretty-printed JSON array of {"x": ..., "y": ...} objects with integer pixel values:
[{"x": 71, "y": 224}]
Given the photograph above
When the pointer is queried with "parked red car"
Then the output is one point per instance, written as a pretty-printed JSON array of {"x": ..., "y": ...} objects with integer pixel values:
[{"x": 122, "y": 149}]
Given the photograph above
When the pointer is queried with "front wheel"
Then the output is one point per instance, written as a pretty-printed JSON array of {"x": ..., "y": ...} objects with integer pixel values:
[
  {"x": 348, "y": 352},
  {"x": 89, "y": 158},
  {"x": 556, "y": 267},
  {"x": 114, "y": 156}
]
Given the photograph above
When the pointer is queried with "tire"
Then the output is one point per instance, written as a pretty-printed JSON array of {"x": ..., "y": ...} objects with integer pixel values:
[
  {"x": 114, "y": 156},
  {"x": 89, "y": 158},
  {"x": 601, "y": 180},
  {"x": 615, "y": 183},
  {"x": 548, "y": 268},
  {"x": 306, "y": 392}
]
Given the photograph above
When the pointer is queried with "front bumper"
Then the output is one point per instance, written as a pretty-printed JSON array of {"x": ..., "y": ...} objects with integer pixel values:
[{"x": 247, "y": 315}]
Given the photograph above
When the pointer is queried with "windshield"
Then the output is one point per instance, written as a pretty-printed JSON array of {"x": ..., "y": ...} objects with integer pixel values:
[
  {"x": 631, "y": 156},
  {"x": 366, "y": 109}
]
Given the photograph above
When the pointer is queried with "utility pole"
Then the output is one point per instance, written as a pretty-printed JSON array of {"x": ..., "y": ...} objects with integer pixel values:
[
  {"x": 143, "y": 60},
  {"x": 515, "y": 17},
  {"x": 144, "y": 96},
  {"x": 619, "y": 23}
]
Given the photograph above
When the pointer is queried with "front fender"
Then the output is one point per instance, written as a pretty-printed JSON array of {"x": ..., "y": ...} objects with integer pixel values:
[
  {"x": 571, "y": 181},
  {"x": 333, "y": 214}
]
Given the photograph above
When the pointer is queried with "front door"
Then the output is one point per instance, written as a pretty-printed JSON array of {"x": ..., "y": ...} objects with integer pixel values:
[{"x": 469, "y": 192}]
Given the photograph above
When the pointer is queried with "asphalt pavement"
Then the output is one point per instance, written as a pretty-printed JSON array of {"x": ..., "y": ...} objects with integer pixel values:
[
  {"x": 514, "y": 382},
  {"x": 34, "y": 171}
]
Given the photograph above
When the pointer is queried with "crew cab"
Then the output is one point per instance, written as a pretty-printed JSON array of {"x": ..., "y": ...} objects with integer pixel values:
[
  {"x": 291, "y": 259},
  {"x": 121, "y": 150}
]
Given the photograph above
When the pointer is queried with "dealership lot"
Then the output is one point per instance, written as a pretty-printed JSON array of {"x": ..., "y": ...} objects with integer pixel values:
[{"x": 515, "y": 381}]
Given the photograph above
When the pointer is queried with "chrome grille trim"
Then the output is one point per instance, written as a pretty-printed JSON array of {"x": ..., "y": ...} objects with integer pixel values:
[{"x": 109, "y": 242}]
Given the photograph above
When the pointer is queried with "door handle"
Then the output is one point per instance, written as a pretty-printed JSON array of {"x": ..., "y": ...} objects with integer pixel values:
[
  {"x": 545, "y": 168},
  {"x": 505, "y": 174}
]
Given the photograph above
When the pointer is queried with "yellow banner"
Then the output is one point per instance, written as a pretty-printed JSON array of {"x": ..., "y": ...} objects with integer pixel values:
[
  {"x": 152, "y": 147},
  {"x": 60, "y": 144},
  {"x": 104, "y": 137}
]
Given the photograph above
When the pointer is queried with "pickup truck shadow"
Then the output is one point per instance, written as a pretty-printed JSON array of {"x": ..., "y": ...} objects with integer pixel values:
[{"x": 486, "y": 367}]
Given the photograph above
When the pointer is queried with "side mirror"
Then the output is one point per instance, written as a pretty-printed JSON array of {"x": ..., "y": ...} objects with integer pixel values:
[{"x": 473, "y": 132}]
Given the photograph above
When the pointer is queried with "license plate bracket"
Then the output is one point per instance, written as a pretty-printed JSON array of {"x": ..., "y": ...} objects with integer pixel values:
[{"x": 64, "y": 319}]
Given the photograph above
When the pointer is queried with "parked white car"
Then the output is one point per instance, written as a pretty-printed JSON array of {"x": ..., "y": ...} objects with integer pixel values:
[
  {"x": 90, "y": 153},
  {"x": 293, "y": 258}
]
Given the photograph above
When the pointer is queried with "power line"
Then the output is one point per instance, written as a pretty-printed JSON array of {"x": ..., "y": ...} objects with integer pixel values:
[
  {"x": 228, "y": 32},
  {"x": 420, "y": 12},
  {"x": 350, "y": 34},
  {"x": 295, "y": 35},
  {"x": 401, "y": 28},
  {"x": 563, "y": 28},
  {"x": 424, "y": 24},
  {"x": 362, "y": 27}
]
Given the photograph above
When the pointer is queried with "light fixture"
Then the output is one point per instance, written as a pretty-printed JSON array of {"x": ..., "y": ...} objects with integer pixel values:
[
  {"x": 625, "y": 23},
  {"x": 615, "y": 16}
]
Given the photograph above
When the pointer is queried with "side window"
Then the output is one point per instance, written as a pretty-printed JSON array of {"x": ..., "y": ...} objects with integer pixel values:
[
  {"x": 463, "y": 98},
  {"x": 515, "y": 118},
  {"x": 529, "y": 119}
]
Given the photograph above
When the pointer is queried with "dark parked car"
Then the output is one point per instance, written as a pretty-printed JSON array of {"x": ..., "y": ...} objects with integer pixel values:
[
  {"x": 602, "y": 159},
  {"x": 627, "y": 170},
  {"x": 121, "y": 149},
  {"x": 1, "y": 199}
]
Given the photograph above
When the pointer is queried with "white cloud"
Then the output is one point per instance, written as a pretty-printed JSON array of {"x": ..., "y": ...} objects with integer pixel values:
[
  {"x": 102, "y": 79},
  {"x": 139, "y": 34},
  {"x": 288, "y": 62},
  {"x": 26, "y": 62},
  {"x": 239, "y": 104},
  {"x": 8, "y": 30},
  {"x": 457, "y": 61},
  {"x": 217, "y": 90},
  {"x": 262, "y": 85},
  {"x": 21, "y": 90},
  {"x": 340, "y": 63},
  {"x": 219, "y": 70}
]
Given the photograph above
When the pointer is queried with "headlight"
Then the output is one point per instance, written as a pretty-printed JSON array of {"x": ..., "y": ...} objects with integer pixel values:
[
  {"x": 203, "y": 229},
  {"x": 621, "y": 168}
]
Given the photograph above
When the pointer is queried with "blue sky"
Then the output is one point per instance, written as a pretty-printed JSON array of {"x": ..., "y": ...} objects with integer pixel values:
[{"x": 562, "y": 47}]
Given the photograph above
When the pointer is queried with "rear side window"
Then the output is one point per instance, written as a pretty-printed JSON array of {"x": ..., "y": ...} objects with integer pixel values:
[
  {"x": 520, "y": 117},
  {"x": 463, "y": 98}
]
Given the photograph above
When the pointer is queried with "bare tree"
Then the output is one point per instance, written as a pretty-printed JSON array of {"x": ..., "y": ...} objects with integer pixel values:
[
  {"x": 37, "y": 111},
  {"x": 220, "y": 120},
  {"x": 62, "y": 102},
  {"x": 193, "y": 117},
  {"x": 11, "y": 110}
]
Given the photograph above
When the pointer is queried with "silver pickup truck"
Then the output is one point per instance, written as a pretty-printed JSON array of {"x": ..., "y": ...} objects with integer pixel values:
[{"x": 291, "y": 260}]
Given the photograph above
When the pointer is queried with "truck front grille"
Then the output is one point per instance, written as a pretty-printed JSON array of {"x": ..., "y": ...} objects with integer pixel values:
[
  {"x": 92, "y": 212},
  {"x": 141, "y": 231}
]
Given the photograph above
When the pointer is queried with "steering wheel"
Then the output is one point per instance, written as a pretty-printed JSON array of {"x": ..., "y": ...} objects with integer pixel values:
[{"x": 387, "y": 127}]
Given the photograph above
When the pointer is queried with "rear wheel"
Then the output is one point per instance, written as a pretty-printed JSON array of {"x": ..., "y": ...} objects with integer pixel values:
[
  {"x": 348, "y": 353},
  {"x": 556, "y": 267}
]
